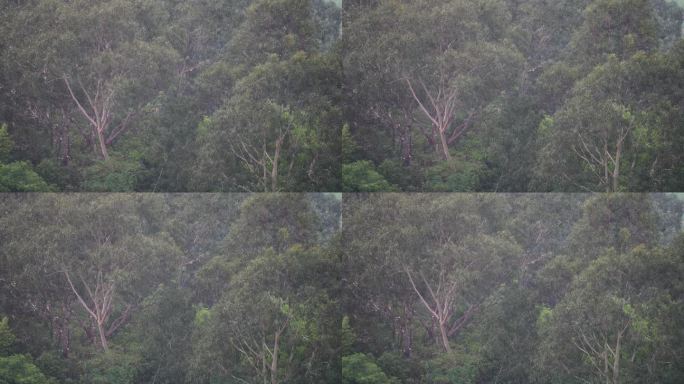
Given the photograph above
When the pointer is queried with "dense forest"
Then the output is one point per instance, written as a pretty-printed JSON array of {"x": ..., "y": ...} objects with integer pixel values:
[
  {"x": 497, "y": 288},
  {"x": 316, "y": 95},
  {"x": 513, "y": 95},
  {"x": 169, "y": 95},
  {"x": 122, "y": 288},
  {"x": 312, "y": 139},
  {"x": 371, "y": 289}
]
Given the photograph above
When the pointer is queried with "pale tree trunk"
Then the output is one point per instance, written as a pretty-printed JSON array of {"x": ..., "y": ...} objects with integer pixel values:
[
  {"x": 274, "y": 360},
  {"x": 443, "y": 103},
  {"x": 264, "y": 360},
  {"x": 604, "y": 359},
  {"x": 604, "y": 163},
  {"x": 445, "y": 337},
  {"x": 275, "y": 351},
  {"x": 259, "y": 162},
  {"x": 445, "y": 145},
  {"x": 616, "y": 165},
  {"x": 406, "y": 147},
  {"x": 103, "y": 338},
  {"x": 274, "y": 164},
  {"x": 100, "y": 309},
  {"x": 99, "y": 114},
  {"x": 442, "y": 299},
  {"x": 263, "y": 365},
  {"x": 103, "y": 146}
]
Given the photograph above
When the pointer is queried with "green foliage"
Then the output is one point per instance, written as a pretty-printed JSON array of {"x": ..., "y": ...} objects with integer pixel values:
[
  {"x": 19, "y": 176},
  {"x": 361, "y": 176},
  {"x": 113, "y": 175},
  {"x": 512, "y": 64},
  {"x": 132, "y": 81},
  {"x": 7, "y": 338},
  {"x": 456, "y": 175},
  {"x": 115, "y": 367},
  {"x": 6, "y": 144},
  {"x": 452, "y": 369},
  {"x": 187, "y": 283},
  {"x": 360, "y": 368},
  {"x": 349, "y": 146},
  {"x": 531, "y": 276},
  {"x": 19, "y": 369}
]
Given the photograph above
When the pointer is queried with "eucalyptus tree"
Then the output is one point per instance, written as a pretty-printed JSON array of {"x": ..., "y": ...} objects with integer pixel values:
[
  {"x": 88, "y": 261},
  {"x": 618, "y": 321},
  {"x": 618, "y": 129},
  {"x": 275, "y": 319},
  {"x": 441, "y": 61},
  {"x": 279, "y": 128},
  {"x": 96, "y": 58},
  {"x": 440, "y": 257}
]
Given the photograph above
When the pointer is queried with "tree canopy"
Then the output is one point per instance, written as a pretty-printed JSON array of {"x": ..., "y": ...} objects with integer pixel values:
[
  {"x": 150, "y": 95},
  {"x": 510, "y": 95},
  {"x": 131, "y": 288},
  {"x": 490, "y": 288}
]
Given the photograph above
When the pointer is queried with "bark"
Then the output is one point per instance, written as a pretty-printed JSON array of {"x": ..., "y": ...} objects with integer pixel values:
[
  {"x": 445, "y": 145},
  {"x": 103, "y": 338},
  {"x": 63, "y": 333},
  {"x": 263, "y": 366},
  {"x": 100, "y": 310},
  {"x": 274, "y": 165},
  {"x": 259, "y": 162},
  {"x": 274, "y": 359},
  {"x": 443, "y": 104},
  {"x": 406, "y": 334},
  {"x": 442, "y": 299},
  {"x": 604, "y": 359},
  {"x": 616, "y": 167},
  {"x": 604, "y": 157},
  {"x": 445, "y": 337},
  {"x": 275, "y": 351},
  {"x": 98, "y": 113}
]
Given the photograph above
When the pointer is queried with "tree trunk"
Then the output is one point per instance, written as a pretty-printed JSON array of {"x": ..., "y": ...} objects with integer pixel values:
[
  {"x": 445, "y": 145},
  {"x": 406, "y": 335},
  {"x": 616, "y": 168},
  {"x": 274, "y": 166},
  {"x": 274, "y": 360},
  {"x": 616, "y": 361},
  {"x": 445, "y": 337},
  {"x": 103, "y": 144},
  {"x": 263, "y": 365},
  {"x": 103, "y": 337},
  {"x": 64, "y": 333},
  {"x": 407, "y": 340},
  {"x": 65, "y": 341},
  {"x": 406, "y": 147}
]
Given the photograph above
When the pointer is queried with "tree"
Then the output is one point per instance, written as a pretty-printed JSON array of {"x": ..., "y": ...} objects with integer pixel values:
[
  {"x": 96, "y": 254},
  {"x": 439, "y": 72},
  {"x": 614, "y": 133},
  {"x": 274, "y": 320},
  {"x": 608, "y": 328},
  {"x": 463, "y": 274},
  {"x": 17, "y": 176},
  {"x": 435, "y": 274},
  {"x": 16, "y": 368},
  {"x": 279, "y": 130}
]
